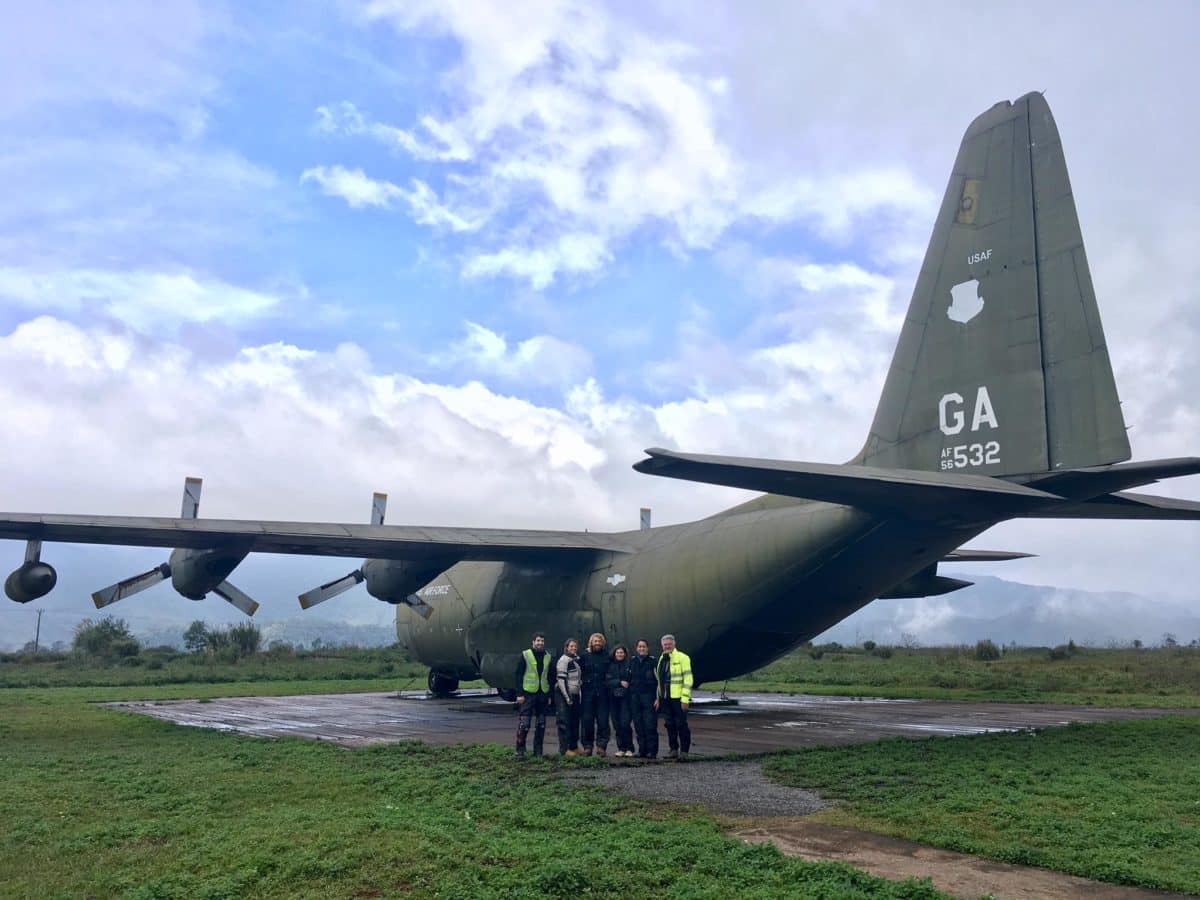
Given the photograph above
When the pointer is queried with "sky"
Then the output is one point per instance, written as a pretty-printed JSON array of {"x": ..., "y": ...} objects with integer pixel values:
[{"x": 479, "y": 255}]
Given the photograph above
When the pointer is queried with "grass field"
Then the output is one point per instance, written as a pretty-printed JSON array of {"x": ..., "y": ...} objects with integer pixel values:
[
  {"x": 1160, "y": 677},
  {"x": 99, "y": 803},
  {"x": 1117, "y": 801},
  {"x": 157, "y": 667}
]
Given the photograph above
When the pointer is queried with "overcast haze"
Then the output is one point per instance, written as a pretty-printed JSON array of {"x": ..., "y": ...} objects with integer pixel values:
[{"x": 479, "y": 255}]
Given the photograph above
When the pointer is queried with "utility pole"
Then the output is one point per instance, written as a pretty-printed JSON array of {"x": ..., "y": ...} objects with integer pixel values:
[{"x": 37, "y": 635}]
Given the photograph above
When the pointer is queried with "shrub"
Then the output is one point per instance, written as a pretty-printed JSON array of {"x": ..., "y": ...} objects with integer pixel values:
[
  {"x": 108, "y": 638},
  {"x": 816, "y": 652},
  {"x": 869, "y": 646},
  {"x": 246, "y": 638},
  {"x": 1060, "y": 652},
  {"x": 884, "y": 652},
  {"x": 986, "y": 651}
]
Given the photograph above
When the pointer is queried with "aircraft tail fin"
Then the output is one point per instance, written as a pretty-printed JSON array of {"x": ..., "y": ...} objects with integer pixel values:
[{"x": 1002, "y": 367}]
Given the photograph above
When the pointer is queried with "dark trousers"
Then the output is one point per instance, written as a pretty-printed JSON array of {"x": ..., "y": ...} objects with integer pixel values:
[
  {"x": 679, "y": 736},
  {"x": 566, "y": 715},
  {"x": 622, "y": 718},
  {"x": 533, "y": 713},
  {"x": 645, "y": 722},
  {"x": 593, "y": 719}
]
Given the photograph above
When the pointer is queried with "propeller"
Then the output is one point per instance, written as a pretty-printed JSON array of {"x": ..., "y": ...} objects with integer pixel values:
[
  {"x": 194, "y": 572},
  {"x": 328, "y": 591},
  {"x": 392, "y": 574}
]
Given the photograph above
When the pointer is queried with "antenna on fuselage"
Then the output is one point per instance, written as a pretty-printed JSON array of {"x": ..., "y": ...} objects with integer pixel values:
[{"x": 645, "y": 518}]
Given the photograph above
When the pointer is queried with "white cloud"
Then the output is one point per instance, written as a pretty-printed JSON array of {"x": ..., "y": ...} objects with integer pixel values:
[
  {"x": 567, "y": 131},
  {"x": 144, "y": 300},
  {"x": 542, "y": 359},
  {"x": 353, "y": 186},
  {"x": 359, "y": 190}
]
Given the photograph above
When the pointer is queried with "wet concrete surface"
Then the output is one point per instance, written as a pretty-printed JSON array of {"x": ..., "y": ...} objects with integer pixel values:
[{"x": 758, "y": 723}]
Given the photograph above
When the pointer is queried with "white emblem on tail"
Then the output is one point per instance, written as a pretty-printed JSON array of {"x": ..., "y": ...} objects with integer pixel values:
[
  {"x": 965, "y": 302},
  {"x": 616, "y": 579}
]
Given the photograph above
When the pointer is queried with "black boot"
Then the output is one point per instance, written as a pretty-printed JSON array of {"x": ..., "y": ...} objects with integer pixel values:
[{"x": 539, "y": 738}]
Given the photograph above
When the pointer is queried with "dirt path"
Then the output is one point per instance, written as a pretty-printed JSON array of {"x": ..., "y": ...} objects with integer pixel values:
[
  {"x": 954, "y": 873},
  {"x": 738, "y": 789}
]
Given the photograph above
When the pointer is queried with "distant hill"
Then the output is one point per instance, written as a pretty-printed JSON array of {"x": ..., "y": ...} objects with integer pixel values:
[
  {"x": 1029, "y": 615},
  {"x": 1004, "y": 611}
]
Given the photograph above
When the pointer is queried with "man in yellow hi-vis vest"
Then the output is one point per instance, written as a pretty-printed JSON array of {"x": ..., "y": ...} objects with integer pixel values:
[
  {"x": 674, "y": 676},
  {"x": 533, "y": 694}
]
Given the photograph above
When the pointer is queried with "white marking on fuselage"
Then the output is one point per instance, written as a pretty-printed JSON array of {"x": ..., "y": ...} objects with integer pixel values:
[{"x": 615, "y": 579}]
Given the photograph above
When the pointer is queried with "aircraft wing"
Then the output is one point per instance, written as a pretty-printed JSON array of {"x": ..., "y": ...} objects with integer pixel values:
[
  {"x": 312, "y": 538},
  {"x": 906, "y": 492}
]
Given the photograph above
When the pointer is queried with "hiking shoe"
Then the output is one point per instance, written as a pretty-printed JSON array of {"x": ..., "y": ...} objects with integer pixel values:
[
  {"x": 570, "y": 754},
  {"x": 587, "y": 751},
  {"x": 600, "y": 751},
  {"x": 672, "y": 754}
]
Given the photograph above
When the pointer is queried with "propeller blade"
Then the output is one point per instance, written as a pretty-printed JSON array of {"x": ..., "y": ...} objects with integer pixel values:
[
  {"x": 378, "y": 508},
  {"x": 191, "y": 498},
  {"x": 130, "y": 586},
  {"x": 325, "y": 591},
  {"x": 227, "y": 591}
]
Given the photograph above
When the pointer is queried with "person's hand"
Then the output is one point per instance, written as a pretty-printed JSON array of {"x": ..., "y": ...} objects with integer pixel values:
[
  {"x": 624, "y": 684},
  {"x": 656, "y": 706},
  {"x": 683, "y": 706},
  {"x": 520, "y": 699}
]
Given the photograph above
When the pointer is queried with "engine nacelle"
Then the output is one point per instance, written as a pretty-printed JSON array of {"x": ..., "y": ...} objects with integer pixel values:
[
  {"x": 392, "y": 580},
  {"x": 32, "y": 580},
  {"x": 196, "y": 572}
]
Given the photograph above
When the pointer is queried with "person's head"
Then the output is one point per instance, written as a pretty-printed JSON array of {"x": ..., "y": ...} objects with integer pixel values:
[
  {"x": 642, "y": 647},
  {"x": 620, "y": 654},
  {"x": 571, "y": 647},
  {"x": 668, "y": 643},
  {"x": 539, "y": 641},
  {"x": 596, "y": 643}
]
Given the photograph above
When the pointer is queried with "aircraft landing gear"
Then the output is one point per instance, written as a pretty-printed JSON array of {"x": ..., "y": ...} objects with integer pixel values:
[{"x": 441, "y": 685}]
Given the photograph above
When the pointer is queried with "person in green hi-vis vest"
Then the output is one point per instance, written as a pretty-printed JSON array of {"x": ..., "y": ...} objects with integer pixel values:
[{"x": 533, "y": 695}]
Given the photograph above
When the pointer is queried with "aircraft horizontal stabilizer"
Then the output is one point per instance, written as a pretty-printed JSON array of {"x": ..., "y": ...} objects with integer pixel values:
[
  {"x": 1095, "y": 481},
  {"x": 905, "y": 492},
  {"x": 968, "y": 555},
  {"x": 1124, "y": 506}
]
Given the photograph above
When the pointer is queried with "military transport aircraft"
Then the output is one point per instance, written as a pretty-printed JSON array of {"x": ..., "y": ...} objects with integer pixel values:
[{"x": 1000, "y": 403}]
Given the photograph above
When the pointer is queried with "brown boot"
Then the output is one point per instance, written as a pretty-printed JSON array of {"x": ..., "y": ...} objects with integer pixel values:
[
  {"x": 570, "y": 754},
  {"x": 587, "y": 751},
  {"x": 600, "y": 751}
]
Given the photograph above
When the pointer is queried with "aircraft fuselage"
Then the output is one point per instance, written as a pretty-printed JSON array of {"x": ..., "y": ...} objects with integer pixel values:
[{"x": 737, "y": 590}]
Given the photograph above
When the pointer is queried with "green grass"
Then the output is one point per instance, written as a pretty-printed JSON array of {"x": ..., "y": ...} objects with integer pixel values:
[
  {"x": 1117, "y": 801},
  {"x": 1162, "y": 677},
  {"x": 100, "y": 803},
  {"x": 155, "y": 667}
]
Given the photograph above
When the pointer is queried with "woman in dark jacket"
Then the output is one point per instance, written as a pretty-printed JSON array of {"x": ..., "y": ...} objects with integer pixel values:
[
  {"x": 642, "y": 689},
  {"x": 620, "y": 676}
]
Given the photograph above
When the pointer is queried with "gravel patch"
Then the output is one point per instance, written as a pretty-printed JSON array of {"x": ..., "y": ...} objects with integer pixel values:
[{"x": 723, "y": 786}]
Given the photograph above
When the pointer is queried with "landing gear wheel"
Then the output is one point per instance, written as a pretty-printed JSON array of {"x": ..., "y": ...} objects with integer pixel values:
[
  {"x": 508, "y": 695},
  {"x": 442, "y": 685}
]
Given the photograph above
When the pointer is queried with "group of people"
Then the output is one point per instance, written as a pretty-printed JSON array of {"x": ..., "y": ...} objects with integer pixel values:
[{"x": 590, "y": 691}]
